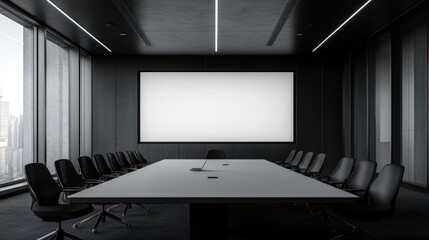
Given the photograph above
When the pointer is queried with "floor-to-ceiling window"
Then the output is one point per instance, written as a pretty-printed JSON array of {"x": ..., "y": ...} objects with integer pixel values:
[
  {"x": 57, "y": 102},
  {"x": 382, "y": 99},
  {"x": 85, "y": 105},
  {"x": 16, "y": 99},
  {"x": 414, "y": 107}
]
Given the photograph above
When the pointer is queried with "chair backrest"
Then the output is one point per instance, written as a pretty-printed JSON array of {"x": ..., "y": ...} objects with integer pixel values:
[
  {"x": 384, "y": 189},
  {"x": 42, "y": 185},
  {"x": 133, "y": 158},
  {"x": 215, "y": 154},
  {"x": 362, "y": 175},
  {"x": 290, "y": 157},
  {"x": 123, "y": 160},
  {"x": 342, "y": 170},
  {"x": 297, "y": 159},
  {"x": 88, "y": 168},
  {"x": 141, "y": 158},
  {"x": 102, "y": 166},
  {"x": 67, "y": 174},
  {"x": 306, "y": 161},
  {"x": 317, "y": 164},
  {"x": 114, "y": 164}
]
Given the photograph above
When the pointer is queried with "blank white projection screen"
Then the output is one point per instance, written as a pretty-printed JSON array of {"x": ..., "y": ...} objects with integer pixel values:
[{"x": 216, "y": 107}]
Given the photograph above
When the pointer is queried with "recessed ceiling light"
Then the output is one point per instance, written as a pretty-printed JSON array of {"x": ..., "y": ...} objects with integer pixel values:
[
  {"x": 309, "y": 25},
  {"x": 77, "y": 24},
  {"x": 338, "y": 28},
  {"x": 109, "y": 24},
  {"x": 299, "y": 34},
  {"x": 122, "y": 34},
  {"x": 216, "y": 24}
]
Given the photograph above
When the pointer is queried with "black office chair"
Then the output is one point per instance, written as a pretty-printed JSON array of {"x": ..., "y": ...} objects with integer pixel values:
[
  {"x": 288, "y": 159},
  {"x": 45, "y": 193},
  {"x": 133, "y": 159},
  {"x": 72, "y": 182},
  {"x": 316, "y": 166},
  {"x": 104, "y": 169},
  {"x": 295, "y": 162},
  {"x": 382, "y": 194},
  {"x": 305, "y": 163},
  {"x": 341, "y": 172},
  {"x": 135, "y": 164},
  {"x": 90, "y": 172},
  {"x": 114, "y": 164},
  {"x": 124, "y": 162},
  {"x": 361, "y": 178},
  {"x": 357, "y": 183},
  {"x": 141, "y": 158},
  {"x": 215, "y": 154}
]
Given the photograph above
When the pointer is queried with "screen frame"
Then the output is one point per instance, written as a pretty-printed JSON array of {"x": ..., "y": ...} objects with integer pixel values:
[{"x": 225, "y": 142}]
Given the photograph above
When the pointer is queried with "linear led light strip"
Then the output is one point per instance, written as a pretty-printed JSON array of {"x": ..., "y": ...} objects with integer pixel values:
[
  {"x": 77, "y": 24},
  {"x": 216, "y": 23},
  {"x": 338, "y": 28}
]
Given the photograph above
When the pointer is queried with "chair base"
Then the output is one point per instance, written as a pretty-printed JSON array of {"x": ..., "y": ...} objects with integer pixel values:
[
  {"x": 356, "y": 230},
  {"x": 102, "y": 214},
  {"x": 58, "y": 234},
  {"x": 326, "y": 217},
  {"x": 127, "y": 206}
]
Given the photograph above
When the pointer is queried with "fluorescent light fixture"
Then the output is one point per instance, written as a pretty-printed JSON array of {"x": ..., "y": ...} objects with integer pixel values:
[
  {"x": 216, "y": 23},
  {"x": 77, "y": 24},
  {"x": 338, "y": 28}
]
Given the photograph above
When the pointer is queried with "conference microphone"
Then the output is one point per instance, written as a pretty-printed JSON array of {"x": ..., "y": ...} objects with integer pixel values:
[{"x": 199, "y": 169}]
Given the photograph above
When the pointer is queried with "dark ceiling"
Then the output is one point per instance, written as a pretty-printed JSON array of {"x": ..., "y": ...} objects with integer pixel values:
[{"x": 177, "y": 27}]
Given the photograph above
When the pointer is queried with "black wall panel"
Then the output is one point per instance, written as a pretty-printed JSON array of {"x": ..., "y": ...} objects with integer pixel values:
[
  {"x": 115, "y": 102},
  {"x": 331, "y": 133},
  {"x": 103, "y": 106}
]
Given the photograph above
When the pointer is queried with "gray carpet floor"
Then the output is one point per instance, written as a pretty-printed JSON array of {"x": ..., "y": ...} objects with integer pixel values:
[{"x": 170, "y": 221}]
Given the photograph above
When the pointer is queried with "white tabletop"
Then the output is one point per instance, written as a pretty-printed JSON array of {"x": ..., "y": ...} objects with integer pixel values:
[{"x": 242, "y": 181}]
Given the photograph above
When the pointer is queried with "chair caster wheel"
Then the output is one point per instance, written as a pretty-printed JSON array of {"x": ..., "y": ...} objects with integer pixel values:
[
  {"x": 75, "y": 226},
  {"x": 148, "y": 210},
  {"x": 94, "y": 231},
  {"x": 128, "y": 225}
]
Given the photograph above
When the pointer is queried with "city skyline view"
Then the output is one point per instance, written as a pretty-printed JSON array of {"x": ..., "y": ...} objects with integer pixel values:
[{"x": 12, "y": 101}]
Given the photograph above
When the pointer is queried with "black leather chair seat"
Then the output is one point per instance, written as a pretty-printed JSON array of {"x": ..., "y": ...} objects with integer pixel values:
[
  {"x": 61, "y": 212},
  {"x": 361, "y": 212}
]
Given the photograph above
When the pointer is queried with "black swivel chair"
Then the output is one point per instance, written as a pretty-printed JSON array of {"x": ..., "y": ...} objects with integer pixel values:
[
  {"x": 45, "y": 193},
  {"x": 104, "y": 169},
  {"x": 381, "y": 202},
  {"x": 316, "y": 166},
  {"x": 361, "y": 178},
  {"x": 90, "y": 172},
  {"x": 141, "y": 158},
  {"x": 357, "y": 183},
  {"x": 72, "y": 182},
  {"x": 295, "y": 162},
  {"x": 215, "y": 154},
  {"x": 114, "y": 164},
  {"x": 288, "y": 159},
  {"x": 124, "y": 162},
  {"x": 133, "y": 159},
  {"x": 341, "y": 172},
  {"x": 305, "y": 163}
]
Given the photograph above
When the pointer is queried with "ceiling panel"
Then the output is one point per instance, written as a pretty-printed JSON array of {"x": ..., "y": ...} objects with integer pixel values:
[{"x": 187, "y": 26}]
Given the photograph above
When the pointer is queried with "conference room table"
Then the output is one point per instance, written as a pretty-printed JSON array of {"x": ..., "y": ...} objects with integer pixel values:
[{"x": 208, "y": 192}]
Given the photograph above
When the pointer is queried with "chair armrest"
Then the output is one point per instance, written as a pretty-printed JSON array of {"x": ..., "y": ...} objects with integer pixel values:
[
  {"x": 93, "y": 181},
  {"x": 351, "y": 190},
  {"x": 73, "y": 189},
  {"x": 109, "y": 176}
]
